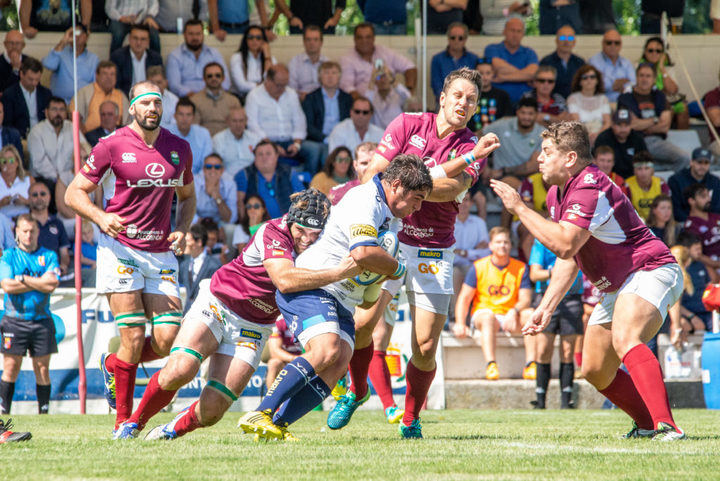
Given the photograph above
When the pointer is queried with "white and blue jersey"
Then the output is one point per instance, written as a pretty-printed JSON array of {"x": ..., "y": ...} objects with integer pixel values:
[
  {"x": 32, "y": 305},
  {"x": 544, "y": 257},
  {"x": 355, "y": 221}
]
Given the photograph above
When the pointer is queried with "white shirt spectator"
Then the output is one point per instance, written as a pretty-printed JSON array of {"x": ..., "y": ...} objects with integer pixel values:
[
  {"x": 236, "y": 153},
  {"x": 344, "y": 134},
  {"x": 169, "y": 101},
  {"x": 277, "y": 120},
  {"x": 589, "y": 109},
  {"x": 52, "y": 154},
  {"x": 19, "y": 187},
  {"x": 304, "y": 73},
  {"x": 468, "y": 234},
  {"x": 138, "y": 67},
  {"x": 244, "y": 81},
  {"x": 356, "y": 71},
  {"x": 206, "y": 205},
  {"x": 140, "y": 8},
  {"x": 386, "y": 109}
]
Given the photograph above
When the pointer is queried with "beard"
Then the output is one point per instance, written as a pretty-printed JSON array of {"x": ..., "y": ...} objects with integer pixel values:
[
  {"x": 706, "y": 207},
  {"x": 147, "y": 123},
  {"x": 194, "y": 47}
]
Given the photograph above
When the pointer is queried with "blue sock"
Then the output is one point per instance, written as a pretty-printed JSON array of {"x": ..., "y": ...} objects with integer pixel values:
[
  {"x": 289, "y": 381},
  {"x": 302, "y": 402}
]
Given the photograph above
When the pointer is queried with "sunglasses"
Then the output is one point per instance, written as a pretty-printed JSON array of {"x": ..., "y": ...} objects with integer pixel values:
[
  {"x": 213, "y": 166},
  {"x": 7, "y": 161},
  {"x": 254, "y": 37},
  {"x": 343, "y": 160},
  {"x": 591, "y": 76},
  {"x": 545, "y": 80},
  {"x": 213, "y": 75},
  {"x": 39, "y": 194},
  {"x": 566, "y": 38},
  {"x": 255, "y": 205},
  {"x": 613, "y": 42},
  {"x": 654, "y": 50},
  {"x": 455, "y": 37},
  {"x": 363, "y": 112},
  {"x": 484, "y": 60}
]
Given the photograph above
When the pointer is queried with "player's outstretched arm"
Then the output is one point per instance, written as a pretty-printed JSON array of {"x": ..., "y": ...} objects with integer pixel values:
[
  {"x": 487, "y": 144},
  {"x": 562, "y": 238},
  {"x": 77, "y": 197},
  {"x": 562, "y": 277},
  {"x": 288, "y": 278},
  {"x": 449, "y": 188}
]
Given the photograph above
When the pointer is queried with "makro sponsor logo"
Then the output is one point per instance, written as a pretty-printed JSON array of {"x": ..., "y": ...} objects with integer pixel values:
[
  {"x": 263, "y": 306},
  {"x": 128, "y": 158},
  {"x": 132, "y": 232},
  {"x": 128, "y": 262},
  {"x": 250, "y": 333},
  {"x": 430, "y": 254},
  {"x": 363, "y": 230}
]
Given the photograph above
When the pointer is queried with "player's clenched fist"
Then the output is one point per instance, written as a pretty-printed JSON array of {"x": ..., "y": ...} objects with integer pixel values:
[
  {"x": 487, "y": 144},
  {"x": 111, "y": 224}
]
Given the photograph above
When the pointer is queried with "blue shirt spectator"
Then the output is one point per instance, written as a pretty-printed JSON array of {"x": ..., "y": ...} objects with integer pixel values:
[
  {"x": 565, "y": 62},
  {"x": 388, "y": 18},
  {"x": 544, "y": 257},
  {"x": 454, "y": 57},
  {"x": 185, "y": 69},
  {"x": 332, "y": 111},
  {"x": 513, "y": 63},
  {"x": 697, "y": 173},
  {"x": 268, "y": 189},
  {"x": 60, "y": 62},
  {"x": 31, "y": 305},
  {"x": 617, "y": 71}
]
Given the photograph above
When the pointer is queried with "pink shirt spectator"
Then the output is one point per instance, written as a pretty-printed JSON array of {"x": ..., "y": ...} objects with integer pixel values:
[
  {"x": 414, "y": 133},
  {"x": 620, "y": 243},
  {"x": 244, "y": 285},
  {"x": 356, "y": 71},
  {"x": 139, "y": 183}
]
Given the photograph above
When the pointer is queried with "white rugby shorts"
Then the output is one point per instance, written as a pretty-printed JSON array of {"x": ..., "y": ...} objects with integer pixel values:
[
  {"x": 661, "y": 287},
  {"x": 123, "y": 269},
  {"x": 237, "y": 337}
]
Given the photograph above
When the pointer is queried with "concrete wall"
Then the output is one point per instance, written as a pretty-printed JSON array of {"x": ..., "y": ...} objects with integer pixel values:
[{"x": 701, "y": 53}]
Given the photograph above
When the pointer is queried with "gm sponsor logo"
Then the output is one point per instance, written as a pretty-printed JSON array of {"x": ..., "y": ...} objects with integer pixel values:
[
  {"x": 362, "y": 230},
  {"x": 251, "y": 334},
  {"x": 430, "y": 254}
]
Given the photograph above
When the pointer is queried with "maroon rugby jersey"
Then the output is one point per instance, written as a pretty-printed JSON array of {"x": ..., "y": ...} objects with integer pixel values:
[
  {"x": 415, "y": 133},
  {"x": 244, "y": 285},
  {"x": 139, "y": 183},
  {"x": 620, "y": 243}
]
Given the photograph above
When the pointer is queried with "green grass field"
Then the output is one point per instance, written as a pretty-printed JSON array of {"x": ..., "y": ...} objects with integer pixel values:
[{"x": 467, "y": 445}]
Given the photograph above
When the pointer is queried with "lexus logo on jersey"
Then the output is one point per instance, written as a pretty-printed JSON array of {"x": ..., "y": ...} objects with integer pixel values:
[{"x": 155, "y": 170}]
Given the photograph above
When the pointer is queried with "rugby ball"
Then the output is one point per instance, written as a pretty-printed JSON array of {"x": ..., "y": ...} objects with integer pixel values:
[{"x": 389, "y": 242}]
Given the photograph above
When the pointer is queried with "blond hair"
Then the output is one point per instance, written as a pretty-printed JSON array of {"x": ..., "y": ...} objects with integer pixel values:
[{"x": 20, "y": 172}]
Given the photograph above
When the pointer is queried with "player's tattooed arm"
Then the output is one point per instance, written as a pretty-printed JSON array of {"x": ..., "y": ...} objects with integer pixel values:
[
  {"x": 449, "y": 188},
  {"x": 288, "y": 278}
]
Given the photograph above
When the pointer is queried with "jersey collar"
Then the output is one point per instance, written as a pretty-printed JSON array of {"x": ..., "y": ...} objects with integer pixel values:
[{"x": 381, "y": 192}]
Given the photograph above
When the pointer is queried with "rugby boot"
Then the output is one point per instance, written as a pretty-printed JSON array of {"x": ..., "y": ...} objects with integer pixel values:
[
  {"x": 8, "y": 436},
  {"x": 260, "y": 423},
  {"x": 394, "y": 414},
  {"x": 414, "y": 431},
  {"x": 340, "y": 415}
]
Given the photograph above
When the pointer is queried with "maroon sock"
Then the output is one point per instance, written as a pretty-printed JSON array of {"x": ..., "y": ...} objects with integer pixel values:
[
  {"x": 380, "y": 378},
  {"x": 148, "y": 353},
  {"x": 124, "y": 389},
  {"x": 578, "y": 359},
  {"x": 154, "y": 399},
  {"x": 359, "y": 365},
  {"x": 623, "y": 393},
  {"x": 418, "y": 385},
  {"x": 646, "y": 374},
  {"x": 110, "y": 362},
  {"x": 186, "y": 421}
]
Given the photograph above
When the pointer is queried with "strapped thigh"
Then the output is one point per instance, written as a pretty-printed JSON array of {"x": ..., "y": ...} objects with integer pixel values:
[
  {"x": 222, "y": 389},
  {"x": 172, "y": 318},
  {"x": 131, "y": 319},
  {"x": 190, "y": 352}
]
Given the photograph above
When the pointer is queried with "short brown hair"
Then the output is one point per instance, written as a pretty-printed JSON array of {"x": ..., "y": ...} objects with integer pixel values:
[
  {"x": 497, "y": 230},
  {"x": 472, "y": 76},
  {"x": 103, "y": 64},
  {"x": 604, "y": 149},
  {"x": 328, "y": 65},
  {"x": 570, "y": 136}
]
